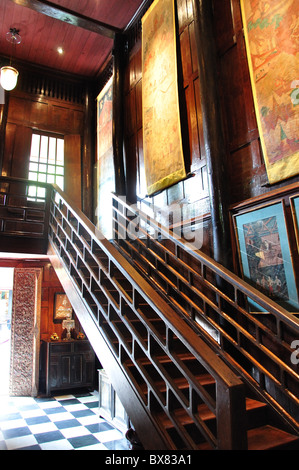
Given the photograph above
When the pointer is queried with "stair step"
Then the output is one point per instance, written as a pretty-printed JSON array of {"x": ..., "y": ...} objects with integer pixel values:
[
  {"x": 268, "y": 437},
  {"x": 205, "y": 413},
  {"x": 182, "y": 383}
]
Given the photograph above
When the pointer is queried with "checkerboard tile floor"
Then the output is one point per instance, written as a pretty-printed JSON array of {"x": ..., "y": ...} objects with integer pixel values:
[{"x": 69, "y": 422}]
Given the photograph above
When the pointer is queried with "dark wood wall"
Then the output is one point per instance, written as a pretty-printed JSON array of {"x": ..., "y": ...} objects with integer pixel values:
[
  {"x": 193, "y": 192},
  {"x": 50, "y": 285},
  {"x": 246, "y": 174},
  {"x": 56, "y": 105}
]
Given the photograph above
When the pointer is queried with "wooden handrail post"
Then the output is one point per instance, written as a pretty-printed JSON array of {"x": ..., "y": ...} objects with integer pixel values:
[{"x": 231, "y": 419}]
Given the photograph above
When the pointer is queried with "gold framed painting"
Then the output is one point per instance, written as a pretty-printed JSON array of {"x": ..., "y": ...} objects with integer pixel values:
[
  {"x": 62, "y": 308},
  {"x": 264, "y": 251},
  {"x": 271, "y": 36},
  {"x": 162, "y": 143}
]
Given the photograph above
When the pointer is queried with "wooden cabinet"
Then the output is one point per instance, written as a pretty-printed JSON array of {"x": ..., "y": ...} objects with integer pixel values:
[{"x": 66, "y": 365}]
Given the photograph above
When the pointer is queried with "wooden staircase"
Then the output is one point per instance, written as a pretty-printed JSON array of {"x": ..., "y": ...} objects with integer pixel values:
[
  {"x": 182, "y": 388},
  {"x": 174, "y": 273}
]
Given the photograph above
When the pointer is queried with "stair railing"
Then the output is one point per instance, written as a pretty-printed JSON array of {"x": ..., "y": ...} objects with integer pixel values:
[
  {"x": 146, "y": 337},
  {"x": 259, "y": 346}
]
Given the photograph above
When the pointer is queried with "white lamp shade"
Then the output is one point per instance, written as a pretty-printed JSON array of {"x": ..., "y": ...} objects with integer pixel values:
[{"x": 8, "y": 78}]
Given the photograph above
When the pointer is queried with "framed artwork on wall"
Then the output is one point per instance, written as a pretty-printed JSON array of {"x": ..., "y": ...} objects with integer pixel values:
[
  {"x": 264, "y": 253},
  {"x": 271, "y": 33},
  {"x": 294, "y": 202},
  {"x": 162, "y": 138},
  {"x": 62, "y": 308}
]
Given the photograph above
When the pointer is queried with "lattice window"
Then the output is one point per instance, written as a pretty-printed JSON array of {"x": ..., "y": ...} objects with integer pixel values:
[{"x": 46, "y": 163}]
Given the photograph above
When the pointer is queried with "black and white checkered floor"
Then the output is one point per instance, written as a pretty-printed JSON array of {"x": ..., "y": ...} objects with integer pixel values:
[{"x": 69, "y": 422}]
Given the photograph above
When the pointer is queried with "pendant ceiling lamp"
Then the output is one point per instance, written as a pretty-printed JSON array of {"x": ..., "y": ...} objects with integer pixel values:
[{"x": 9, "y": 75}]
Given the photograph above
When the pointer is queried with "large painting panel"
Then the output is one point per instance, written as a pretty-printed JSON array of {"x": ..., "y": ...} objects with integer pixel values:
[
  {"x": 162, "y": 143},
  {"x": 105, "y": 163},
  {"x": 271, "y": 35}
]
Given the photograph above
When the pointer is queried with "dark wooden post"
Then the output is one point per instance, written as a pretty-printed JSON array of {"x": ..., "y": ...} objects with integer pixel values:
[
  {"x": 4, "y": 96},
  {"x": 118, "y": 114},
  {"x": 212, "y": 130},
  {"x": 87, "y": 152}
]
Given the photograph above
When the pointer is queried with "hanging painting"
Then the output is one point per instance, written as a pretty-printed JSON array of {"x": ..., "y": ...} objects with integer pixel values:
[
  {"x": 162, "y": 143},
  {"x": 271, "y": 35},
  {"x": 105, "y": 163}
]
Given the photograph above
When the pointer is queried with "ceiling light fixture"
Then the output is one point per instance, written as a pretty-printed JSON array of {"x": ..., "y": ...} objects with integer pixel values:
[
  {"x": 60, "y": 50},
  {"x": 9, "y": 75}
]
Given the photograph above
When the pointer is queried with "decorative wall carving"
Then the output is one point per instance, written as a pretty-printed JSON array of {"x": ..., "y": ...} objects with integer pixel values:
[{"x": 25, "y": 335}]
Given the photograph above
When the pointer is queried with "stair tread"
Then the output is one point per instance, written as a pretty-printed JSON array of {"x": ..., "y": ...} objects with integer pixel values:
[
  {"x": 205, "y": 413},
  {"x": 268, "y": 437}
]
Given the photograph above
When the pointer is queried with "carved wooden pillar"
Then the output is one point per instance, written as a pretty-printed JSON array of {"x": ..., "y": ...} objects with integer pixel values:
[
  {"x": 212, "y": 130},
  {"x": 25, "y": 332}
]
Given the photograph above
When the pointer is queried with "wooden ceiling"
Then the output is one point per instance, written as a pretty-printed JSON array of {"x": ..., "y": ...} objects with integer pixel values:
[{"x": 84, "y": 29}]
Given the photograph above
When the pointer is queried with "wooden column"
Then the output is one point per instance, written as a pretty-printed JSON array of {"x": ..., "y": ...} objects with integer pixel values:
[
  {"x": 212, "y": 130},
  {"x": 118, "y": 114},
  {"x": 88, "y": 149},
  {"x": 3, "y": 119}
]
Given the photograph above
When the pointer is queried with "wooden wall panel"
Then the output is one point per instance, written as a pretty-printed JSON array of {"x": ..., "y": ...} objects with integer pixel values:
[
  {"x": 247, "y": 174},
  {"x": 50, "y": 284},
  {"x": 25, "y": 113},
  {"x": 38, "y": 113},
  {"x": 21, "y": 150},
  {"x": 191, "y": 195},
  {"x": 72, "y": 168}
]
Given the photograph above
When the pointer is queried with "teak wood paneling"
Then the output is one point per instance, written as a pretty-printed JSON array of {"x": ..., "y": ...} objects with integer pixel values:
[
  {"x": 193, "y": 192},
  {"x": 245, "y": 168},
  {"x": 245, "y": 162},
  {"x": 50, "y": 284},
  {"x": 27, "y": 113},
  {"x": 46, "y": 114}
]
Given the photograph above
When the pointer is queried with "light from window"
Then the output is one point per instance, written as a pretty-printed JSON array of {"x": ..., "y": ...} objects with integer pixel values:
[{"x": 46, "y": 164}]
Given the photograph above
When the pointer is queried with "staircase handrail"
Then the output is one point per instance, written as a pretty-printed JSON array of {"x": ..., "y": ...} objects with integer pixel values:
[
  {"x": 174, "y": 253},
  {"x": 250, "y": 291},
  {"x": 226, "y": 380}
]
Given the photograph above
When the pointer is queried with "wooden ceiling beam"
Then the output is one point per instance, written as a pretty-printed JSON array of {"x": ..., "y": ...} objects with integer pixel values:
[{"x": 69, "y": 17}]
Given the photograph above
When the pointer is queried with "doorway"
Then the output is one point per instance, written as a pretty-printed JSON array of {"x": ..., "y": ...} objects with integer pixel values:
[{"x": 6, "y": 290}]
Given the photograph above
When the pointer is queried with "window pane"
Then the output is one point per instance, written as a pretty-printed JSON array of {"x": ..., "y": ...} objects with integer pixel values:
[
  {"x": 43, "y": 168},
  {"x": 60, "y": 151},
  {"x": 59, "y": 170},
  {"x": 51, "y": 179},
  {"x": 33, "y": 166},
  {"x": 44, "y": 149},
  {"x": 32, "y": 191},
  {"x": 59, "y": 181},
  {"x": 34, "y": 153},
  {"x": 51, "y": 169},
  {"x": 42, "y": 177},
  {"x": 41, "y": 192},
  {"x": 32, "y": 176},
  {"x": 52, "y": 149}
]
